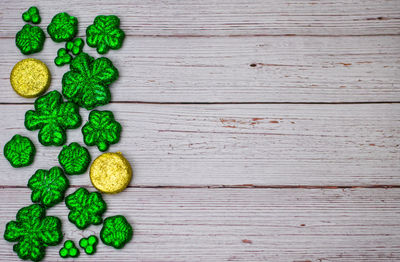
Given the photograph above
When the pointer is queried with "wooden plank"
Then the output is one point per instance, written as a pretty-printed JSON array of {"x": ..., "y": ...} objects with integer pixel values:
[
  {"x": 225, "y": 18},
  {"x": 239, "y": 225},
  {"x": 244, "y": 69},
  {"x": 239, "y": 144}
]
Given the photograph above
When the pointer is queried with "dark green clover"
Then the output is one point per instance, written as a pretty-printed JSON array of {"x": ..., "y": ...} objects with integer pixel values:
[
  {"x": 33, "y": 231},
  {"x": 63, "y": 27},
  {"x": 74, "y": 158},
  {"x": 87, "y": 82},
  {"x": 32, "y": 15},
  {"x": 89, "y": 244},
  {"x": 30, "y": 39},
  {"x": 48, "y": 186},
  {"x": 116, "y": 231},
  {"x": 101, "y": 130},
  {"x": 19, "y": 151},
  {"x": 105, "y": 34},
  {"x": 85, "y": 208},
  {"x": 52, "y": 116},
  {"x": 75, "y": 46},
  {"x": 69, "y": 250},
  {"x": 62, "y": 57}
]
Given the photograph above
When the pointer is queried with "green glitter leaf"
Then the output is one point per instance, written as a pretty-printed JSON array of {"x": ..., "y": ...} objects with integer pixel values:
[
  {"x": 19, "y": 151},
  {"x": 74, "y": 158},
  {"x": 89, "y": 244},
  {"x": 69, "y": 250},
  {"x": 32, "y": 15},
  {"x": 62, "y": 57},
  {"x": 30, "y": 39},
  {"x": 75, "y": 46},
  {"x": 116, "y": 231},
  {"x": 85, "y": 208},
  {"x": 63, "y": 27},
  {"x": 33, "y": 231}
]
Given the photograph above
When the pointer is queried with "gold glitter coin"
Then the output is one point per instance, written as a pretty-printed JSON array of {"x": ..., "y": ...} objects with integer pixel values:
[
  {"x": 30, "y": 77},
  {"x": 110, "y": 173}
]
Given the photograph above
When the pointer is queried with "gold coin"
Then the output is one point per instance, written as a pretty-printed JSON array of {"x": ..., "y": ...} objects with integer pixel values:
[
  {"x": 30, "y": 77},
  {"x": 110, "y": 173}
]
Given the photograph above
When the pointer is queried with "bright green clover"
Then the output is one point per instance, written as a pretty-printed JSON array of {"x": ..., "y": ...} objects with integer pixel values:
[
  {"x": 48, "y": 186},
  {"x": 116, "y": 231},
  {"x": 33, "y": 231},
  {"x": 101, "y": 130},
  {"x": 85, "y": 208},
  {"x": 75, "y": 46},
  {"x": 69, "y": 250},
  {"x": 32, "y": 15},
  {"x": 52, "y": 116},
  {"x": 105, "y": 34},
  {"x": 62, "y": 57},
  {"x": 30, "y": 39},
  {"x": 74, "y": 158},
  {"x": 19, "y": 151},
  {"x": 63, "y": 27},
  {"x": 89, "y": 244}
]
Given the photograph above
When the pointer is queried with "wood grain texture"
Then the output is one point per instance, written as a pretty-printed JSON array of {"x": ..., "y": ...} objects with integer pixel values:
[{"x": 240, "y": 144}]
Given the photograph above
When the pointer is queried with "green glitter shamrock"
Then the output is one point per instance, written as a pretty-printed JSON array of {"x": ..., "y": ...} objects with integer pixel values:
[
  {"x": 86, "y": 208},
  {"x": 75, "y": 46},
  {"x": 63, "y": 27},
  {"x": 32, "y": 15},
  {"x": 105, "y": 34},
  {"x": 19, "y": 151},
  {"x": 48, "y": 187},
  {"x": 30, "y": 39},
  {"x": 69, "y": 250},
  {"x": 62, "y": 57},
  {"x": 116, "y": 231},
  {"x": 101, "y": 130},
  {"x": 89, "y": 244},
  {"x": 87, "y": 82},
  {"x": 74, "y": 158},
  {"x": 33, "y": 231},
  {"x": 52, "y": 116}
]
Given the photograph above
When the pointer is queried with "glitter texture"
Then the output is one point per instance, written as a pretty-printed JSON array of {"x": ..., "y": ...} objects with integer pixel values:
[
  {"x": 19, "y": 151},
  {"x": 75, "y": 159},
  {"x": 30, "y": 39},
  {"x": 62, "y": 57},
  {"x": 116, "y": 231},
  {"x": 63, "y": 27}
]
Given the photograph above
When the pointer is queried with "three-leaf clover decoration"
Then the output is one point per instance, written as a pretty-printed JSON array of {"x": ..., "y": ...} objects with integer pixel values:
[
  {"x": 48, "y": 186},
  {"x": 74, "y": 158},
  {"x": 101, "y": 130},
  {"x": 86, "y": 84},
  {"x": 63, "y": 27},
  {"x": 116, "y": 231},
  {"x": 89, "y": 244},
  {"x": 32, "y": 15},
  {"x": 105, "y": 34},
  {"x": 62, "y": 57},
  {"x": 75, "y": 46},
  {"x": 69, "y": 250},
  {"x": 52, "y": 116},
  {"x": 19, "y": 151},
  {"x": 30, "y": 39},
  {"x": 85, "y": 208},
  {"x": 33, "y": 231}
]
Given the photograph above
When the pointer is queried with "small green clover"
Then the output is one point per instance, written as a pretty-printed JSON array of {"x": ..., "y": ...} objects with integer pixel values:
[
  {"x": 116, "y": 231},
  {"x": 74, "y": 158},
  {"x": 63, "y": 27},
  {"x": 52, "y": 116},
  {"x": 62, "y": 57},
  {"x": 88, "y": 81},
  {"x": 48, "y": 187},
  {"x": 32, "y": 15},
  {"x": 19, "y": 151},
  {"x": 33, "y": 231},
  {"x": 69, "y": 250},
  {"x": 30, "y": 39},
  {"x": 101, "y": 130},
  {"x": 105, "y": 34},
  {"x": 85, "y": 208},
  {"x": 75, "y": 46},
  {"x": 89, "y": 244}
]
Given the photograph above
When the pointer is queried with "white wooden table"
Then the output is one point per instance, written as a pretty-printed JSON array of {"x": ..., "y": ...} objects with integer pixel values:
[{"x": 263, "y": 130}]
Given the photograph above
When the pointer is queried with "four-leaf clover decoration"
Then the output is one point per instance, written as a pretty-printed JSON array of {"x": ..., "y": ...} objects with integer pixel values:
[
  {"x": 86, "y": 84},
  {"x": 74, "y": 158},
  {"x": 52, "y": 116},
  {"x": 19, "y": 151},
  {"x": 105, "y": 34},
  {"x": 101, "y": 130},
  {"x": 30, "y": 39},
  {"x": 48, "y": 187},
  {"x": 63, "y": 27},
  {"x": 116, "y": 231},
  {"x": 33, "y": 231},
  {"x": 85, "y": 208}
]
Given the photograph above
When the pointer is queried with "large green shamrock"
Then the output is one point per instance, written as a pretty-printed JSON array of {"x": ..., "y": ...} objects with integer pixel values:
[
  {"x": 19, "y": 151},
  {"x": 74, "y": 158},
  {"x": 101, "y": 130},
  {"x": 52, "y": 116},
  {"x": 30, "y": 39},
  {"x": 48, "y": 187},
  {"x": 116, "y": 231},
  {"x": 105, "y": 34},
  {"x": 63, "y": 27},
  {"x": 33, "y": 231},
  {"x": 86, "y": 208},
  {"x": 87, "y": 82}
]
